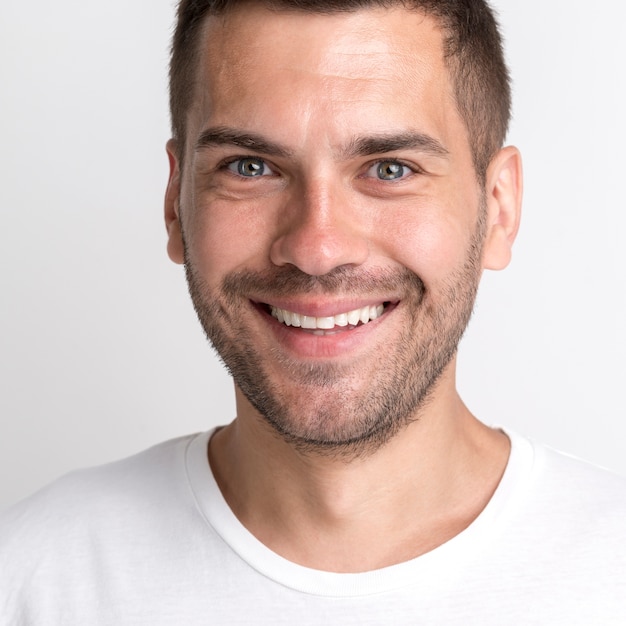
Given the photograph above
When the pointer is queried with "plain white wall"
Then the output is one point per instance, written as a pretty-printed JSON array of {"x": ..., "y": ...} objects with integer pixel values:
[{"x": 100, "y": 351}]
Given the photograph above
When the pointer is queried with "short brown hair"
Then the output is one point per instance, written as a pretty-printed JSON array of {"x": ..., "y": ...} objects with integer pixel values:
[{"x": 473, "y": 53}]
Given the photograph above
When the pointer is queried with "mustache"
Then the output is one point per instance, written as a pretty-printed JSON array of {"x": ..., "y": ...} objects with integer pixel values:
[{"x": 288, "y": 280}]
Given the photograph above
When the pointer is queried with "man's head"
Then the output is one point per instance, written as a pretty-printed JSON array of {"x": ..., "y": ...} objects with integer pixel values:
[
  {"x": 330, "y": 217},
  {"x": 473, "y": 54}
]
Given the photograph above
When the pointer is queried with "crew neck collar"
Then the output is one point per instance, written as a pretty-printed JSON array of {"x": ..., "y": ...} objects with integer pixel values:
[{"x": 427, "y": 570}]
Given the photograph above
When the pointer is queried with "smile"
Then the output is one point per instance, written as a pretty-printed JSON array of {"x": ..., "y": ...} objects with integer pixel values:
[{"x": 348, "y": 319}]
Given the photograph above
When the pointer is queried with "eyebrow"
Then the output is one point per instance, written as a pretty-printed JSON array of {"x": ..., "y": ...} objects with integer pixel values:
[
  {"x": 358, "y": 146},
  {"x": 383, "y": 143},
  {"x": 224, "y": 136}
]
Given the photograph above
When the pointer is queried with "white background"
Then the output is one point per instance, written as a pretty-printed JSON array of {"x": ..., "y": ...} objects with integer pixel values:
[{"x": 100, "y": 352}]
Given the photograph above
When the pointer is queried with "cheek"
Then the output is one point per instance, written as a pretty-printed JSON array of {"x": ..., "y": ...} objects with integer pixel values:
[
  {"x": 431, "y": 243},
  {"x": 222, "y": 239}
]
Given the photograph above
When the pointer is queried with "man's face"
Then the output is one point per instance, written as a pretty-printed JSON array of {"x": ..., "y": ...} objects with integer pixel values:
[{"x": 332, "y": 219}]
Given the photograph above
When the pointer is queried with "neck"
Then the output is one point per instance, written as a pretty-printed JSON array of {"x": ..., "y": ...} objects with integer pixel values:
[{"x": 424, "y": 486}]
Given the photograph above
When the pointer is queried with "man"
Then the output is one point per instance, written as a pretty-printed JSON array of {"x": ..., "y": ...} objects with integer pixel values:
[{"x": 337, "y": 186}]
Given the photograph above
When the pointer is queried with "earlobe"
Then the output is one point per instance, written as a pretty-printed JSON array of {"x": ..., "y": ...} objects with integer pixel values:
[
  {"x": 504, "y": 203},
  {"x": 175, "y": 248}
]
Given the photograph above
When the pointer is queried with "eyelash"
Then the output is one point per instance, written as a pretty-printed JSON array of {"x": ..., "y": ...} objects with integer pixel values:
[
  {"x": 224, "y": 165},
  {"x": 378, "y": 163}
]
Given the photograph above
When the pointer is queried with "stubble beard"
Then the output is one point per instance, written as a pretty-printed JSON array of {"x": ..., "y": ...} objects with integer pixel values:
[{"x": 318, "y": 408}]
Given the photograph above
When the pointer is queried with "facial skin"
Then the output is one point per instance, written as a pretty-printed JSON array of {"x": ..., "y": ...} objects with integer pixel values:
[{"x": 327, "y": 170}]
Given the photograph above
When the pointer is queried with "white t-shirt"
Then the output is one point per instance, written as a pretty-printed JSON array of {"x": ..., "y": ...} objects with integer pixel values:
[{"x": 150, "y": 541}]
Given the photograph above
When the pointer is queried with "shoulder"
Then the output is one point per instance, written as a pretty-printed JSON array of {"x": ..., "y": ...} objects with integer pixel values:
[
  {"x": 137, "y": 471},
  {"x": 575, "y": 504},
  {"x": 593, "y": 497},
  {"x": 567, "y": 478},
  {"x": 70, "y": 510},
  {"x": 563, "y": 475}
]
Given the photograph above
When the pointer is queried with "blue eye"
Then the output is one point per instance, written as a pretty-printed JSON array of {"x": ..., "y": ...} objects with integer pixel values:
[
  {"x": 389, "y": 170},
  {"x": 249, "y": 167}
]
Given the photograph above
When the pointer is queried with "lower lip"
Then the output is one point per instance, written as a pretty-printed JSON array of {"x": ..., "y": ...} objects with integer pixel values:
[{"x": 305, "y": 343}]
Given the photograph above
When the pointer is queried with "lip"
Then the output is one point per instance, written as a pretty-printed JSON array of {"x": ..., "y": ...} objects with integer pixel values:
[{"x": 337, "y": 343}]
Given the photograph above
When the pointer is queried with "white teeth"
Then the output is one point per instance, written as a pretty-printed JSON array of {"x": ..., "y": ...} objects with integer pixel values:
[
  {"x": 309, "y": 322},
  {"x": 354, "y": 317},
  {"x": 351, "y": 318},
  {"x": 341, "y": 319},
  {"x": 325, "y": 322}
]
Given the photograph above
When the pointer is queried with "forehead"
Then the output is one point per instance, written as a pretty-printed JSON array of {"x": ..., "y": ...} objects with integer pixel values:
[{"x": 372, "y": 67}]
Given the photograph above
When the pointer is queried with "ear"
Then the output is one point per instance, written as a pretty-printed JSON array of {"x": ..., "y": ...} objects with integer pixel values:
[
  {"x": 504, "y": 204},
  {"x": 175, "y": 248}
]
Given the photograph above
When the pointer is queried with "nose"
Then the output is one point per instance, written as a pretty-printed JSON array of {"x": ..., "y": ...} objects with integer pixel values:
[{"x": 320, "y": 231}]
